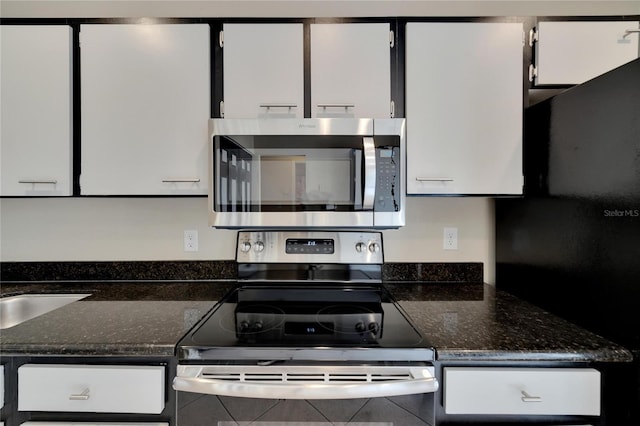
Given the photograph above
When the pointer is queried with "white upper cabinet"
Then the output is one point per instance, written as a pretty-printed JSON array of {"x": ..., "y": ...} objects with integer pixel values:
[
  {"x": 464, "y": 106},
  {"x": 145, "y": 105},
  {"x": 572, "y": 52},
  {"x": 263, "y": 70},
  {"x": 351, "y": 70},
  {"x": 264, "y": 74},
  {"x": 36, "y": 94}
]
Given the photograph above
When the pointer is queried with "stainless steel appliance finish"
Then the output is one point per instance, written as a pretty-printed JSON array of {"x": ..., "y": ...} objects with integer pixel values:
[
  {"x": 307, "y": 381},
  {"x": 306, "y": 247},
  {"x": 310, "y": 335},
  {"x": 307, "y": 173},
  {"x": 15, "y": 310}
]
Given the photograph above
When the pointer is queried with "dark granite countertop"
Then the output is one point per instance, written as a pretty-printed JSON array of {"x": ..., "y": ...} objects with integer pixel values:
[
  {"x": 119, "y": 318},
  {"x": 473, "y": 322},
  {"x": 477, "y": 322}
]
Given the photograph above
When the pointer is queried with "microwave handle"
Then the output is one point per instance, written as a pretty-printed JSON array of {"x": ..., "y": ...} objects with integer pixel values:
[{"x": 369, "y": 193}]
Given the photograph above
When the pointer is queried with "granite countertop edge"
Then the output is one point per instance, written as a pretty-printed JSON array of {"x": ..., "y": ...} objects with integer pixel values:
[{"x": 606, "y": 355}]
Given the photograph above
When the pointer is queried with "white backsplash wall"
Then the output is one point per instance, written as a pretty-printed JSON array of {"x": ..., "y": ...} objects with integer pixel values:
[{"x": 129, "y": 229}]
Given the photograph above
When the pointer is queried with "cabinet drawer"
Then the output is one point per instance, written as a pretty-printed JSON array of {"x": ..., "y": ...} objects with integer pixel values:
[
  {"x": 544, "y": 391},
  {"x": 91, "y": 388}
]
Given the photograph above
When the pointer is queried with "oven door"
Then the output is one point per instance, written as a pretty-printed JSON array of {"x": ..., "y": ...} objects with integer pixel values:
[
  {"x": 293, "y": 173},
  {"x": 307, "y": 395}
]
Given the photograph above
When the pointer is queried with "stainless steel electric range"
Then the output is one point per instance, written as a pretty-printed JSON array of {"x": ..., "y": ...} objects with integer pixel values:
[{"x": 310, "y": 335}]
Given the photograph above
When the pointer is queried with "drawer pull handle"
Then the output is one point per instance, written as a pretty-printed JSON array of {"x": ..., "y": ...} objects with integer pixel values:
[
  {"x": 530, "y": 398},
  {"x": 80, "y": 396}
]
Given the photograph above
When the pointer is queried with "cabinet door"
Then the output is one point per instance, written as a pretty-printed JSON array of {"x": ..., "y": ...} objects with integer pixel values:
[
  {"x": 145, "y": 106},
  {"x": 263, "y": 71},
  {"x": 464, "y": 108},
  {"x": 350, "y": 70},
  {"x": 574, "y": 52},
  {"x": 35, "y": 93}
]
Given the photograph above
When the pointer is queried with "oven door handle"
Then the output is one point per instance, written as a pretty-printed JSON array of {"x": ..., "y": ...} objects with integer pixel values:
[
  {"x": 369, "y": 193},
  {"x": 292, "y": 390}
]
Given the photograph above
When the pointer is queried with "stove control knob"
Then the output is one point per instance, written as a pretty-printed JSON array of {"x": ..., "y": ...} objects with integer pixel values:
[
  {"x": 245, "y": 246},
  {"x": 360, "y": 328},
  {"x": 360, "y": 247},
  {"x": 374, "y": 247},
  {"x": 257, "y": 326},
  {"x": 258, "y": 246},
  {"x": 244, "y": 326},
  {"x": 374, "y": 327}
]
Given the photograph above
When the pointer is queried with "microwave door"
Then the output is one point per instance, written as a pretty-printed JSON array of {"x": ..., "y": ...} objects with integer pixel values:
[{"x": 293, "y": 181}]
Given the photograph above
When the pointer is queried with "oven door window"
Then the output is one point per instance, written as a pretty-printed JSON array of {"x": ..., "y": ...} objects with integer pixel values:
[
  {"x": 292, "y": 173},
  {"x": 408, "y": 410}
]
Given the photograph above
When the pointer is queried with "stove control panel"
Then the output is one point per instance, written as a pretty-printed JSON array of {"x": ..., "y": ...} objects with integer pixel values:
[{"x": 309, "y": 247}]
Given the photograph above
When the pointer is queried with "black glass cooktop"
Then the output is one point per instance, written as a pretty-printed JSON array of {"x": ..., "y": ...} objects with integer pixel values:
[{"x": 270, "y": 322}]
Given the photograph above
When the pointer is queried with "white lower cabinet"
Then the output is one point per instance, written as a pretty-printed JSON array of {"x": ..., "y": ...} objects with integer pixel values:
[
  {"x": 91, "y": 388},
  {"x": 522, "y": 391}
]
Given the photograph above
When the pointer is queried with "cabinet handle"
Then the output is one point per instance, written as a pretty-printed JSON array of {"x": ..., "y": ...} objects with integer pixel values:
[
  {"x": 80, "y": 396},
  {"x": 345, "y": 106},
  {"x": 269, "y": 106},
  {"x": 628, "y": 32},
  {"x": 34, "y": 181},
  {"x": 188, "y": 180},
  {"x": 434, "y": 179},
  {"x": 530, "y": 398}
]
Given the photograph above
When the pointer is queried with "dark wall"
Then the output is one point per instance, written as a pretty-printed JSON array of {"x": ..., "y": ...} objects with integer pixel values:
[{"x": 572, "y": 243}]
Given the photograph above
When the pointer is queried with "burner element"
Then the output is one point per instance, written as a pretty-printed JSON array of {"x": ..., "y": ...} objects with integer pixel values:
[
  {"x": 363, "y": 320},
  {"x": 252, "y": 319}
]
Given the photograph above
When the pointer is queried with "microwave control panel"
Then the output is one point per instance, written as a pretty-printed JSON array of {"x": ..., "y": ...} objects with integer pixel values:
[{"x": 387, "y": 179}]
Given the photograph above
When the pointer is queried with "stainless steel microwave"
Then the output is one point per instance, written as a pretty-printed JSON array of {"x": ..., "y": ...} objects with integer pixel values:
[{"x": 307, "y": 173}]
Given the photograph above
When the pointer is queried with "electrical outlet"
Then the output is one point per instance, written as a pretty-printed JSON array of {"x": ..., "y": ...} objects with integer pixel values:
[
  {"x": 450, "y": 241},
  {"x": 191, "y": 240}
]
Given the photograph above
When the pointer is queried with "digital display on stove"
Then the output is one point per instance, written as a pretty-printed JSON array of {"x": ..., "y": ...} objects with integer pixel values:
[
  {"x": 308, "y": 328},
  {"x": 309, "y": 246}
]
